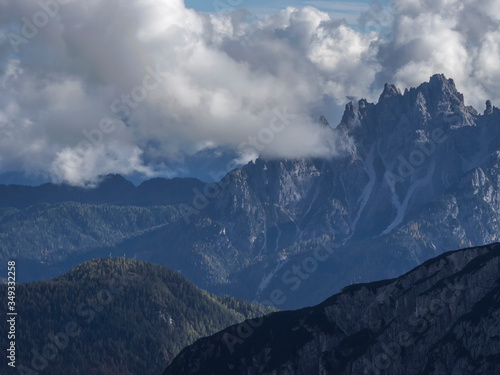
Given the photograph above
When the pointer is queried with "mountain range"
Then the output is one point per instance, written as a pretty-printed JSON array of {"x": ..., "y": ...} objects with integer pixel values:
[
  {"x": 414, "y": 175},
  {"x": 442, "y": 317}
]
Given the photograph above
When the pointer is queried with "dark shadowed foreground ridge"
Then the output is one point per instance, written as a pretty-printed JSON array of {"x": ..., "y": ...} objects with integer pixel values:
[{"x": 442, "y": 317}]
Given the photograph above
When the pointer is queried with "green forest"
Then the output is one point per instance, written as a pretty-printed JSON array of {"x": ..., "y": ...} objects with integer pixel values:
[{"x": 126, "y": 317}]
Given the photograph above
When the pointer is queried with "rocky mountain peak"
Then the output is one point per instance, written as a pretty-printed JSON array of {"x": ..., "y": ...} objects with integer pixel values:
[
  {"x": 351, "y": 114},
  {"x": 440, "y": 79},
  {"x": 443, "y": 95},
  {"x": 439, "y": 83},
  {"x": 389, "y": 92},
  {"x": 323, "y": 121}
]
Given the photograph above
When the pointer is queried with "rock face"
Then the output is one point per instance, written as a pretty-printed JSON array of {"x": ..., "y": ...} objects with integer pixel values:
[
  {"x": 442, "y": 317},
  {"x": 420, "y": 173},
  {"x": 407, "y": 151},
  {"x": 417, "y": 175}
]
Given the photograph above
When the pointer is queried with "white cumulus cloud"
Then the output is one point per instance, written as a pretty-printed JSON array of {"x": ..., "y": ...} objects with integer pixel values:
[{"x": 134, "y": 86}]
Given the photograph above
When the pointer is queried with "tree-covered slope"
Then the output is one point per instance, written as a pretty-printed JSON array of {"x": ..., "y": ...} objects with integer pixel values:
[
  {"x": 115, "y": 316},
  {"x": 51, "y": 232}
]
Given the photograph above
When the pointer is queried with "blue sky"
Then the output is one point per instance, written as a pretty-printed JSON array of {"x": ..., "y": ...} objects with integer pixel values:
[{"x": 349, "y": 10}]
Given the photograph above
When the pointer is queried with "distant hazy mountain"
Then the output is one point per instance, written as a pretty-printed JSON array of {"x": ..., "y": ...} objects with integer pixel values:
[
  {"x": 111, "y": 190},
  {"x": 419, "y": 175},
  {"x": 442, "y": 317},
  {"x": 115, "y": 316}
]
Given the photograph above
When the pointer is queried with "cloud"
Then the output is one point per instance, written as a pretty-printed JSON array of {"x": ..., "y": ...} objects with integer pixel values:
[
  {"x": 459, "y": 38},
  {"x": 339, "y": 6},
  {"x": 139, "y": 86}
]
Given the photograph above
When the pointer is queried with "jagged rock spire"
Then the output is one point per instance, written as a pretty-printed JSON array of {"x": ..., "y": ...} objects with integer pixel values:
[
  {"x": 489, "y": 108},
  {"x": 389, "y": 91},
  {"x": 323, "y": 121}
]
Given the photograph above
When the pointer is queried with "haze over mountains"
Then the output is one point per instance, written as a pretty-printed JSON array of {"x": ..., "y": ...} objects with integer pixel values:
[
  {"x": 419, "y": 177},
  {"x": 419, "y": 174},
  {"x": 232, "y": 187}
]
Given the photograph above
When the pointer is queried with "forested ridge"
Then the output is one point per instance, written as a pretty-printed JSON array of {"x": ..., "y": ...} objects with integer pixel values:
[{"x": 132, "y": 317}]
